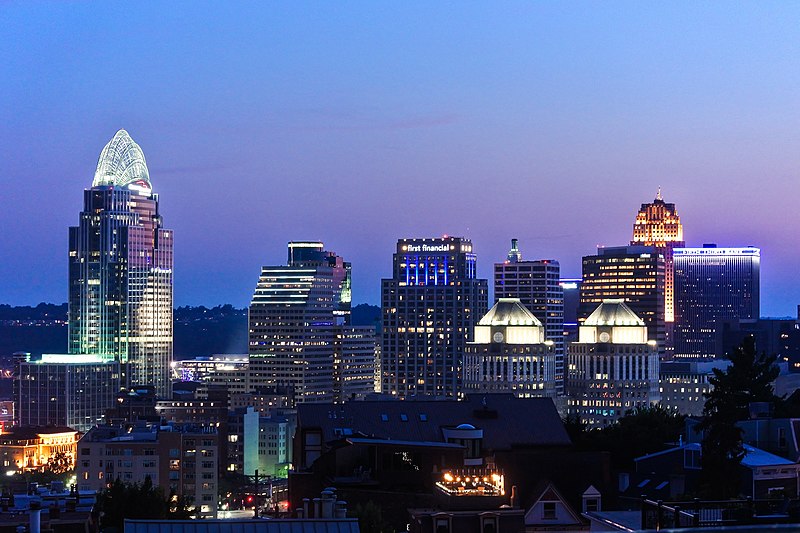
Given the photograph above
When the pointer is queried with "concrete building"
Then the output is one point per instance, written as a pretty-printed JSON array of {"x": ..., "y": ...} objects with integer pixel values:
[
  {"x": 510, "y": 353},
  {"x": 25, "y": 448},
  {"x": 613, "y": 368},
  {"x": 430, "y": 305},
  {"x": 684, "y": 383},
  {"x": 537, "y": 285},
  {"x": 179, "y": 458}
]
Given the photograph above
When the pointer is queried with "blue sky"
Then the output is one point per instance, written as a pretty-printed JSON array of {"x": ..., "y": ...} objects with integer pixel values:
[{"x": 358, "y": 123}]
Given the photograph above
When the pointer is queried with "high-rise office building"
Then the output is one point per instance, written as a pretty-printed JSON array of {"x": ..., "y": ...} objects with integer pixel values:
[
  {"x": 537, "y": 285},
  {"x": 430, "y": 306},
  {"x": 300, "y": 333},
  {"x": 712, "y": 285},
  {"x": 510, "y": 353},
  {"x": 120, "y": 270},
  {"x": 634, "y": 274},
  {"x": 613, "y": 367},
  {"x": 658, "y": 225}
]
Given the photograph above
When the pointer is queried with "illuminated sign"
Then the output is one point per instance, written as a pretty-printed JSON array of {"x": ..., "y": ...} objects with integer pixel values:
[{"x": 427, "y": 248}]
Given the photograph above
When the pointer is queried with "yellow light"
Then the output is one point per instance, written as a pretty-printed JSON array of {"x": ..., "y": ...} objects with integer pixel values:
[{"x": 448, "y": 476}]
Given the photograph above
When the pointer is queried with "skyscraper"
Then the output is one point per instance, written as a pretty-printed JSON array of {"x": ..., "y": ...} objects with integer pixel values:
[
  {"x": 711, "y": 285},
  {"x": 658, "y": 225},
  {"x": 300, "y": 333},
  {"x": 537, "y": 285},
  {"x": 634, "y": 274},
  {"x": 120, "y": 270},
  {"x": 613, "y": 367},
  {"x": 430, "y": 305}
]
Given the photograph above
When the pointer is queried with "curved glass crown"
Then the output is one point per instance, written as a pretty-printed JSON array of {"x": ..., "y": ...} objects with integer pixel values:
[{"x": 122, "y": 164}]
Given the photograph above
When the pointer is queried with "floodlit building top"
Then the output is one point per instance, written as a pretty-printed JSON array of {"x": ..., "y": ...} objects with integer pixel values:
[
  {"x": 613, "y": 312},
  {"x": 509, "y": 312},
  {"x": 122, "y": 164}
]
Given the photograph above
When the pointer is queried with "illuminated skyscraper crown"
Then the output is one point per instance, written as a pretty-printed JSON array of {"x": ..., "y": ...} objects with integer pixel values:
[{"x": 122, "y": 164}]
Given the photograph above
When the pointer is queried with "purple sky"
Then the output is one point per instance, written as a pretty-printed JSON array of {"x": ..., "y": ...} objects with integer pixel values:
[{"x": 357, "y": 124}]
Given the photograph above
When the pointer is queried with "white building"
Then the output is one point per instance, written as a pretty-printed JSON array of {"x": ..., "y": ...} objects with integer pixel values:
[{"x": 613, "y": 368}]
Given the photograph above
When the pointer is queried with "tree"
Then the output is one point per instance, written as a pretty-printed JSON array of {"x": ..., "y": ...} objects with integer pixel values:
[
  {"x": 748, "y": 379},
  {"x": 370, "y": 518},
  {"x": 641, "y": 431},
  {"x": 59, "y": 463},
  {"x": 139, "y": 501}
]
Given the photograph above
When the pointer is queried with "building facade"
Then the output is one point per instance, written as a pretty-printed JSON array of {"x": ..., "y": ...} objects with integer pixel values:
[
  {"x": 613, "y": 368},
  {"x": 657, "y": 224},
  {"x": 70, "y": 390},
  {"x": 510, "y": 353},
  {"x": 183, "y": 459},
  {"x": 430, "y": 305},
  {"x": 26, "y": 448},
  {"x": 121, "y": 270},
  {"x": 299, "y": 316},
  {"x": 354, "y": 363},
  {"x": 537, "y": 285},
  {"x": 712, "y": 285},
  {"x": 634, "y": 274}
]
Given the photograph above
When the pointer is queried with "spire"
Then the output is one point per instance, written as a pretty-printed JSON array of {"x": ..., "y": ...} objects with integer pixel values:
[
  {"x": 514, "y": 255},
  {"x": 658, "y": 195},
  {"x": 122, "y": 164}
]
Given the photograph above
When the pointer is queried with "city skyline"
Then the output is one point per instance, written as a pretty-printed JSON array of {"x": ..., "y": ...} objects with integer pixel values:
[{"x": 346, "y": 132}]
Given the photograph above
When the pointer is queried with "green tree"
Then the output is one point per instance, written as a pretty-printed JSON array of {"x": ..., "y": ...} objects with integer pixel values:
[{"x": 748, "y": 379}]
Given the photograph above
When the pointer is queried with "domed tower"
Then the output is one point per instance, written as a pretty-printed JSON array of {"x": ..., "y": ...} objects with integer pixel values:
[
  {"x": 613, "y": 368},
  {"x": 120, "y": 270},
  {"x": 510, "y": 353}
]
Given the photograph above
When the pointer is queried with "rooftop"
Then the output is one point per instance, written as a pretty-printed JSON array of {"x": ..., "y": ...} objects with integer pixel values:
[
  {"x": 613, "y": 312},
  {"x": 509, "y": 312},
  {"x": 122, "y": 164},
  {"x": 506, "y": 421}
]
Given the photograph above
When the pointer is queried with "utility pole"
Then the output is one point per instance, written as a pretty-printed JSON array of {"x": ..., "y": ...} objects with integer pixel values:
[{"x": 256, "y": 480}]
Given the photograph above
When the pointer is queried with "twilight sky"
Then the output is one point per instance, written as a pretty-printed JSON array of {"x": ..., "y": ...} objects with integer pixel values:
[{"x": 357, "y": 123}]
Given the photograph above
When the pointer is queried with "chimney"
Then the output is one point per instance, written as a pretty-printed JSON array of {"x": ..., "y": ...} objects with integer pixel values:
[
  {"x": 514, "y": 497},
  {"x": 328, "y": 501},
  {"x": 36, "y": 517},
  {"x": 306, "y": 510},
  {"x": 340, "y": 510},
  {"x": 317, "y": 502}
]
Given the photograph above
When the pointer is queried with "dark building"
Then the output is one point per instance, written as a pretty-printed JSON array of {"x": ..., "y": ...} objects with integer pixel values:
[
  {"x": 430, "y": 306},
  {"x": 571, "y": 288},
  {"x": 634, "y": 274},
  {"x": 712, "y": 285},
  {"x": 120, "y": 270},
  {"x": 774, "y": 336},
  {"x": 433, "y": 454},
  {"x": 536, "y": 285}
]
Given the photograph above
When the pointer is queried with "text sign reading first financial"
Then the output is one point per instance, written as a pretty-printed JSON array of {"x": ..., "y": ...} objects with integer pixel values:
[{"x": 427, "y": 248}]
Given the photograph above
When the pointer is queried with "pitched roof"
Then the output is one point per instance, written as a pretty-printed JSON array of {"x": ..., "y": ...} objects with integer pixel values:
[
  {"x": 613, "y": 312},
  {"x": 509, "y": 312},
  {"x": 506, "y": 421}
]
